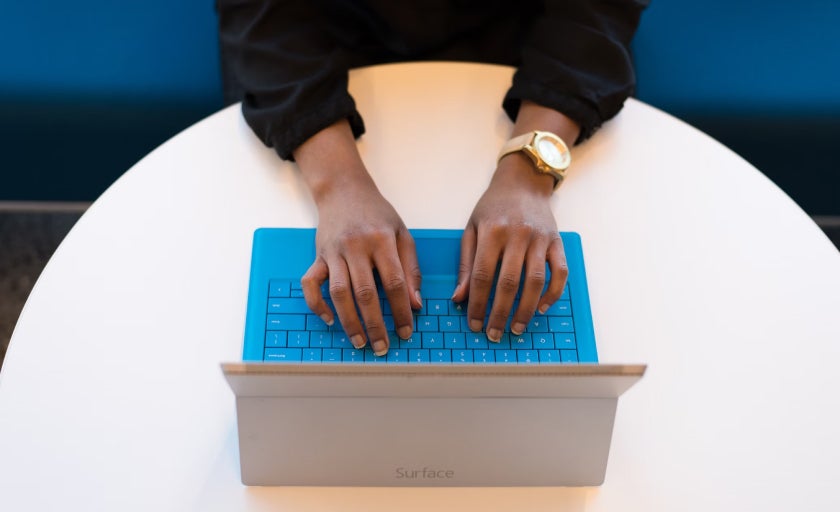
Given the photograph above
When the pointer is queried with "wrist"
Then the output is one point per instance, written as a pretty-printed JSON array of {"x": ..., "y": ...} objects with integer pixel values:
[
  {"x": 331, "y": 166},
  {"x": 516, "y": 173},
  {"x": 328, "y": 185}
]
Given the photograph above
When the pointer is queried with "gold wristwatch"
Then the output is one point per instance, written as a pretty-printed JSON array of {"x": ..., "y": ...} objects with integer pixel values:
[{"x": 548, "y": 152}]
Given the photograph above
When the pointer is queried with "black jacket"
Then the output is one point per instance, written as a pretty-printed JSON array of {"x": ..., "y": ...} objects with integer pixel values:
[{"x": 288, "y": 60}]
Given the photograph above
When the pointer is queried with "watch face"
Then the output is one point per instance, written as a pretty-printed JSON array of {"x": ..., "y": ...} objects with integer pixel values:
[{"x": 553, "y": 151}]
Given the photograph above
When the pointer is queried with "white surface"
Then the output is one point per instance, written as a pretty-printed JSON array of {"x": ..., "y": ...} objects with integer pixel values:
[{"x": 111, "y": 397}]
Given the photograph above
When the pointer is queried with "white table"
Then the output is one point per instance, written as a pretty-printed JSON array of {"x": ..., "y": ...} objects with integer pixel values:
[{"x": 111, "y": 397}]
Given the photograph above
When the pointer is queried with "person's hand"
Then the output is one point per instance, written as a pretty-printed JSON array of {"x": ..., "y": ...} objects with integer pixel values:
[
  {"x": 359, "y": 232},
  {"x": 511, "y": 224}
]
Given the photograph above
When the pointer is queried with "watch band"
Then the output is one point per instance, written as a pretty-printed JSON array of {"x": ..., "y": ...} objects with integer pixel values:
[{"x": 516, "y": 144}]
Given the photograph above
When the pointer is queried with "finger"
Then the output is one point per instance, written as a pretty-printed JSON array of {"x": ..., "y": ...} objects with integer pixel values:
[
  {"x": 395, "y": 287},
  {"x": 507, "y": 285},
  {"x": 532, "y": 286},
  {"x": 367, "y": 300},
  {"x": 488, "y": 251},
  {"x": 556, "y": 258},
  {"x": 407, "y": 253},
  {"x": 311, "y": 283},
  {"x": 342, "y": 297},
  {"x": 468, "y": 243}
]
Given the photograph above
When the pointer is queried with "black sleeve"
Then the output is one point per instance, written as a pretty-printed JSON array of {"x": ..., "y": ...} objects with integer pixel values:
[
  {"x": 576, "y": 60},
  {"x": 290, "y": 74}
]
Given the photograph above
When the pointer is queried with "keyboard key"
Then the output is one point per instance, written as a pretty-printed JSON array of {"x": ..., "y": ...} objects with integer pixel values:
[
  {"x": 340, "y": 340},
  {"x": 476, "y": 340},
  {"x": 560, "y": 308},
  {"x": 332, "y": 355},
  {"x": 484, "y": 356},
  {"x": 432, "y": 340},
  {"x": 527, "y": 356},
  {"x": 561, "y": 324},
  {"x": 549, "y": 356},
  {"x": 457, "y": 308},
  {"x": 372, "y": 358},
  {"x": 506, "y": 356},
  {"x": 296, "y": 293},
  {"x": 418, "y": 356},
  {"x": 502, "y": 344},
  {"x": 437, "y": 307},
  {"x": 543, "y": 340},
  {"x": 454, "y": 340},
  {"x": 427, "y": 323},
  {"x": 412, "y": 342},
  {"x": 564, "y": 341},
  {"x": 283, "y": 354},
  {"x": 278, "y": 288},
  {"x": 288, "y": 305},
  {"x": 568, "y": 356},
  {"x": 298, "y": 339},
  {"x": 285, "y": 323},
  {"x": 440, "y": 356},
  {"x": 565, "y": 294},
  {"x": 314, "y": 323},
  {"x": 523, "y": 341},
  {"x": 397, "y": 355},
  {"x": 462, "y": 356},
  {"x": 320, "y": 339},
  {"x": 311, "y": 355},
  {"x": 275, "y": 339},
  {"x": 352, "y": 355},
  {"x": 538, "y": 323},
  {"x": 449, "y": 323}
]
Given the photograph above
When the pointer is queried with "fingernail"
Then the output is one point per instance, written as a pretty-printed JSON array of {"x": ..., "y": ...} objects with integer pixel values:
[
  {"x": 543, "y": 309},
  {"x": 418, "y": 297},
  {"x": 494, "y": 335},
  {"x": 475, "y": 325},
  {"x": 327, "y": 319},
  {"x": 404, "y": 332},
  {"x": 380, "y": 348},
  {"x": 455, "y": 291},
  {"x": 358, "y": 341},
  {"x": 517, "y": 328}
]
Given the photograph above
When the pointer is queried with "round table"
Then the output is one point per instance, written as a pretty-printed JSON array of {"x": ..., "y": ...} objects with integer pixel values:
[{"x": 111, "y": 396}]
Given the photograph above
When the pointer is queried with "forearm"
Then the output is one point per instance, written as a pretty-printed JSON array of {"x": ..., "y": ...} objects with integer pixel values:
[{"x": 329, "y": 162}]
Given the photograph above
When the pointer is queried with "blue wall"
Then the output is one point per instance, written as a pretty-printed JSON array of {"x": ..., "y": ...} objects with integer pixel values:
[
  {"x": 748, "y": 55},
  {"x": 144, "y": 50}
]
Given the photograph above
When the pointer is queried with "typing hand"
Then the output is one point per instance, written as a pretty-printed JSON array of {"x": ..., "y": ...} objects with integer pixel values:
[
  {"x": 358, "y": 232},
  {"x": 511, "y": 224}
]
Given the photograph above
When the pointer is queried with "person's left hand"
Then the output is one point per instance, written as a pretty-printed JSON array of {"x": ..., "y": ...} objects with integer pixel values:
[{"x": 513, "y": 224}]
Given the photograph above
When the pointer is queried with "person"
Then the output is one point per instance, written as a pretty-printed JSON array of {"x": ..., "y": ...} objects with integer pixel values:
[{"x": 288, "y": 62}]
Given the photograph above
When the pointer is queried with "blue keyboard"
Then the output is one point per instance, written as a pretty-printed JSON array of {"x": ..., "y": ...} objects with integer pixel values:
[
  {"x": 441, "y": 333},
  {"x": 280, "y": 327}
]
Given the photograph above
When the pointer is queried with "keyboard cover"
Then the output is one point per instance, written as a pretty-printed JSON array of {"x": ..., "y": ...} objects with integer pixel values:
[{"x": 281, "y": 328}]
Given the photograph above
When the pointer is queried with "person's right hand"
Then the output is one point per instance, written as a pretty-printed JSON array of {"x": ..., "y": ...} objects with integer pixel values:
[{"x": 359, "y": 232}]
